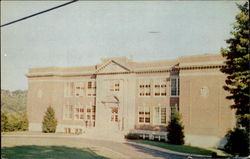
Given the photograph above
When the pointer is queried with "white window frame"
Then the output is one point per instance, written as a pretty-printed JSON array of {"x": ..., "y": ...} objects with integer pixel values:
[
  {"x": 72, "y": 91},
  {"x": 114, "y": 85},
  {"x": 144, "y": 115},
  {"x": 159, "y": 122},
  {"x": 91, "y": 113},
  {"x": 161, "y": 81},
  {"x": 65, "y": 114},
  {"x": 177, "y": 86},
  {"x": 78, "y": 106},
  {"x": 81, "y": 89},
  {"x": 68, "y": 90},
  {"x": 144, "y": 82}
]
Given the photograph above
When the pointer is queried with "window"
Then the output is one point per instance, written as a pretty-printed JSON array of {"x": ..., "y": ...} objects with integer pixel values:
[
  {"x": 93, "y": 112},
  {"x": 144, "y": 88},
  {"x": 91, "y": 88},
  {"x": 79, "y": 88},
  {"x": 175, "y": 86},
  {"x": 114, "y": 85},
  {"x": 79, "y": 112},
  {"x": 160, "y": 115},
  {"x": 72, "y": 89},
  {"x": 69, "y": 90},
  {"x": 144, "y": 114},
  {"x": 68, "y": 112},
  {"x": 90, "y": 113},
  {"x": 160, "y": 87}
]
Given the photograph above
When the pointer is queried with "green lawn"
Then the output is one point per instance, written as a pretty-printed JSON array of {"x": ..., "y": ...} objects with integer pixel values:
[
  {"x": 183, "y": 148},
  {"x": 36, "y": 133},
  {"x": 53, "y": 148},
  {"x": 47, "y": 152}
]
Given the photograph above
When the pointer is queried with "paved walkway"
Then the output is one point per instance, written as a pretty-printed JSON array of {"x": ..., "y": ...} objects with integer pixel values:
[{"x": 128, "y": 150}]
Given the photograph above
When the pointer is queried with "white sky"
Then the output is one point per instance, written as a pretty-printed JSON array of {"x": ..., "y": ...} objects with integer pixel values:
[{"x": 81, "y": 33}]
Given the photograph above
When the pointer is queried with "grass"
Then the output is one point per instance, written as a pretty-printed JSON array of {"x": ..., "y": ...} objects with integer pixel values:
[
  {"x": 53, "y": 148},
  {"x": 35, "y": 133},
  {"x": 48, "y": 152},
  {"x": 183, "y": 148}
]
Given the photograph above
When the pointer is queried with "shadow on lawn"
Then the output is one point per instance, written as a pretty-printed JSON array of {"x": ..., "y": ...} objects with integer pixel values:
[
  {"x": 47, "y": 152},
  {"x": 165, "y": 155}
]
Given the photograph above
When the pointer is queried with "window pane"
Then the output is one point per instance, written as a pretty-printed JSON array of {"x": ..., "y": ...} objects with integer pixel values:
[
  {"x": 156, "y": 115},
  {"x": 173, "y": 87},
  {"x": 163, "y": 115},
  {"x": 147, "y": 120}
]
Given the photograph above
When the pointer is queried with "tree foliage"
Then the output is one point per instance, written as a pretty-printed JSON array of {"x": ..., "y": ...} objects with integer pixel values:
[
  {"x": 237, "y": 142},
  {"x": 175, "y": 130},
  {"x": 237, "y": 66},
  {"x": 49, "y": 121},
  {"x": 4, "y": 121},
  {"x": 14, "y": 122},
  {"x": 13, "y": 101}
]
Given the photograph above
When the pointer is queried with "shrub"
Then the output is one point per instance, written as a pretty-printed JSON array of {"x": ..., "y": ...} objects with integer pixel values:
[
  {"x": 49, "y": 121},
  {"x": 132, "y": 136},
  {"x": 13, "y": 122},
  {"x": 4, "y": 121},
  {"x": 237, "y": 142},
  {"x": 175, "y": 130},
  {"x": 23, "y": 123}
]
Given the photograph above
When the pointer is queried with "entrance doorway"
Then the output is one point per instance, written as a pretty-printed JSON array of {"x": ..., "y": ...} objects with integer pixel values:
[{"x": 114, "y": 120}]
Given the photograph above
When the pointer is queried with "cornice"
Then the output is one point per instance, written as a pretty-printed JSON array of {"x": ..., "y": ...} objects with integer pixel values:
[
  {"x": 199, "y": 67},
  {"x": 142, "y": 71},
  {"x": 58, "y": 74}
]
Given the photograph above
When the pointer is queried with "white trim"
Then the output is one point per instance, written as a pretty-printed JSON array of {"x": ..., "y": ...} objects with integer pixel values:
[
  {"x": 39, "y": 74},
  {"x": 201, "y": 63},
  {"x": 164, "y": 68},
  {"x": 201, "y": 74},
  {"x": 152, "y": 77}
]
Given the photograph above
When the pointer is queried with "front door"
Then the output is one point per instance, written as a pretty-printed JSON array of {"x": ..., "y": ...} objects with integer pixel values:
[{"x": 114, "y": 121}]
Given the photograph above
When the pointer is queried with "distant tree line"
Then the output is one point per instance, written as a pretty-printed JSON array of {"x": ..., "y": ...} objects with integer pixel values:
[
  {"x": 13, "y": 111},
  {"x": 13, "y": 101}
]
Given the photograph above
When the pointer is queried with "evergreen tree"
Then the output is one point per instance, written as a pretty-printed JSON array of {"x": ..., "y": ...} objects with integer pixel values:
[
  {"x": 237, "y": 67},
  {"x": 175, "y": 130},
  {"x": 49, "y": 121}
]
